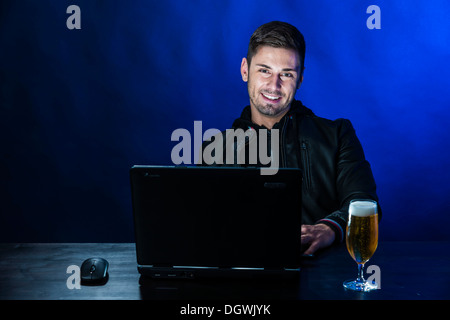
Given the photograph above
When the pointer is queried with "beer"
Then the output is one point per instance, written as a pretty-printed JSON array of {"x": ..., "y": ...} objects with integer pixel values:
[
  {"x": 362, "y": 240},
  {"x": 362, "y": 230}
]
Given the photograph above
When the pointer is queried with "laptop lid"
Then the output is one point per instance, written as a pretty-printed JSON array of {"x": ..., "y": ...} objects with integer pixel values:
[{"x": 214, "y": 219}]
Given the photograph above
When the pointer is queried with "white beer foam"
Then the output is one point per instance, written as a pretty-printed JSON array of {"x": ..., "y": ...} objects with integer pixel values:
[{"x": 362, "y": 208}]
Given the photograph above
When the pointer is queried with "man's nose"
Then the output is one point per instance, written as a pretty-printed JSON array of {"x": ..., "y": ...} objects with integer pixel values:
[{"x": 275, "y": 82}]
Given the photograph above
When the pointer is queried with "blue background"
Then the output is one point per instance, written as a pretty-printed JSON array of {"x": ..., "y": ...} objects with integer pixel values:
[{"x": 80, "y": 107}]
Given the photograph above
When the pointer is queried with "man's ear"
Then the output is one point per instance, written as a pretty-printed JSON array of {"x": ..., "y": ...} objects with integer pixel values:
[
  {"x": 244, "y": 69},
  {"x": 300, "y": 80}
]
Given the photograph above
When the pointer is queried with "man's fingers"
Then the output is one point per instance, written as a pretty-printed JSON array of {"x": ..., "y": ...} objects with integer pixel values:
[
  {"x": 306, "y": 228},
  {"x": 316, "y": 237},
  {"x": 312, "y": 248},
  {"x": 306, "y": 234},
  {"x": 306, "y": 238}
]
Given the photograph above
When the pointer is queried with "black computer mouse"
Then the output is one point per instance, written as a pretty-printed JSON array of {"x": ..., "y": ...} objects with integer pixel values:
[{"x": 94, "y": 271}]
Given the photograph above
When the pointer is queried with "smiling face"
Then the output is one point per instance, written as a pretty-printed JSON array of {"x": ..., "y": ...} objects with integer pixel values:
[{"x": 273, "y": 78}]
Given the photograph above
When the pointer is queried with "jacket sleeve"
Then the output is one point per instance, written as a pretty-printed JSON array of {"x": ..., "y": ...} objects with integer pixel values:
[{"x": 354, "y": 179}]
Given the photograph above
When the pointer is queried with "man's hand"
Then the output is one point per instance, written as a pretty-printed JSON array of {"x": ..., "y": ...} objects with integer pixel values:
[{"x": 317, "y": 236}]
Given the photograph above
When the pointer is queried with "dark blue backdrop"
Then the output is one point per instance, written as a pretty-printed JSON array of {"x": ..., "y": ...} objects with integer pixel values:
[{"x": 79, "y": 107}]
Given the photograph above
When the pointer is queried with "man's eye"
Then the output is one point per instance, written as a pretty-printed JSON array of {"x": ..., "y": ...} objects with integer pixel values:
[
  {"x": 288, "y": 75},
  {"x": 264, "y": 71}
]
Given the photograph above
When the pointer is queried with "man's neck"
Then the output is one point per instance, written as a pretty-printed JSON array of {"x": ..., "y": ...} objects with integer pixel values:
[{"x": 266, "y": 121}]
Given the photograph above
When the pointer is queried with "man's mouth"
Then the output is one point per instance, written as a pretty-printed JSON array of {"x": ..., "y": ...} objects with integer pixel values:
[{"x": 271, "y": 97}]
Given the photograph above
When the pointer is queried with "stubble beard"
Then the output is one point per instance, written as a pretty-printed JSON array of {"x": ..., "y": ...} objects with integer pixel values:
[{"x": 268, "y": 109}]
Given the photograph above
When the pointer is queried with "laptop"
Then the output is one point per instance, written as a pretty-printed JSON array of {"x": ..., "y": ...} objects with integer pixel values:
[{"x": 194, "y": 222}]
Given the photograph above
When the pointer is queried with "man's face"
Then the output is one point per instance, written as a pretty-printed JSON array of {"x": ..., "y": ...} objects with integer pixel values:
[{"x": 272, "y": 79}]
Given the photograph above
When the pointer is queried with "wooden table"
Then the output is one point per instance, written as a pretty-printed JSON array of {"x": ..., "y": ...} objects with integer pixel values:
[{"x": 37, "y": 271}]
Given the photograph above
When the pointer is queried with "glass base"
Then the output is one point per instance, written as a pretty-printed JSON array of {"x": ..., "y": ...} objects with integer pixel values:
[{"x": 357, "y": 285}]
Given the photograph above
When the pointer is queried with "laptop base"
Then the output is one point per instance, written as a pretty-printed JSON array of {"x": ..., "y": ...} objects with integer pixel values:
[{"x": 205, "y": 273}]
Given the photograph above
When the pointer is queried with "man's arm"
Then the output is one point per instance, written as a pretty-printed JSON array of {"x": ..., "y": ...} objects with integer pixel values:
[{"x": 354, "y": 181}]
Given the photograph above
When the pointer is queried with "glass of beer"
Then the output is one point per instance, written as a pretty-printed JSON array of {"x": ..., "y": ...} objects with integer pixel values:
[{"x": 362, "y": 240}]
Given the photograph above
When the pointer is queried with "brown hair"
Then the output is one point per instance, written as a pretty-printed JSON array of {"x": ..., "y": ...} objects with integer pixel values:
[{"x": 279, "y": 35}]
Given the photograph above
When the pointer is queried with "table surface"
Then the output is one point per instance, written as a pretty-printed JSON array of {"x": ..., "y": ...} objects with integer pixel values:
[{"x": 409, "y": 271}]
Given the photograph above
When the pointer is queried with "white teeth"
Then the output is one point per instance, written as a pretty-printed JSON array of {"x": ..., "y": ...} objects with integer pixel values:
[{"x": 270, "y": 97}]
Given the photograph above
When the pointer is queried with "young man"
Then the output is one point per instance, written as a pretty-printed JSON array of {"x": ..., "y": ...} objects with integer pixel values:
[{"x": 329, "y": 153}]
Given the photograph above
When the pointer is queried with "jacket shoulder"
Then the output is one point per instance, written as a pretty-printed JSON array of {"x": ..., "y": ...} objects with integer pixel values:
[{"x": 340, "y": 124}]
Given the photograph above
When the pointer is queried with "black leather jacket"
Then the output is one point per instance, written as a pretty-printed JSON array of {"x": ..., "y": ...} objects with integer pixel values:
[{"x": 335, "y": 170}]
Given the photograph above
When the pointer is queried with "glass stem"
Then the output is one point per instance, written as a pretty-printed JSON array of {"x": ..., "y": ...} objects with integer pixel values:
[{"x": 360, "y": 278}]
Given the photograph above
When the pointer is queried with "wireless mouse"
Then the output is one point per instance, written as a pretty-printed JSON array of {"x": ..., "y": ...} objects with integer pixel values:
[{"x": 94, "y": 271}]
